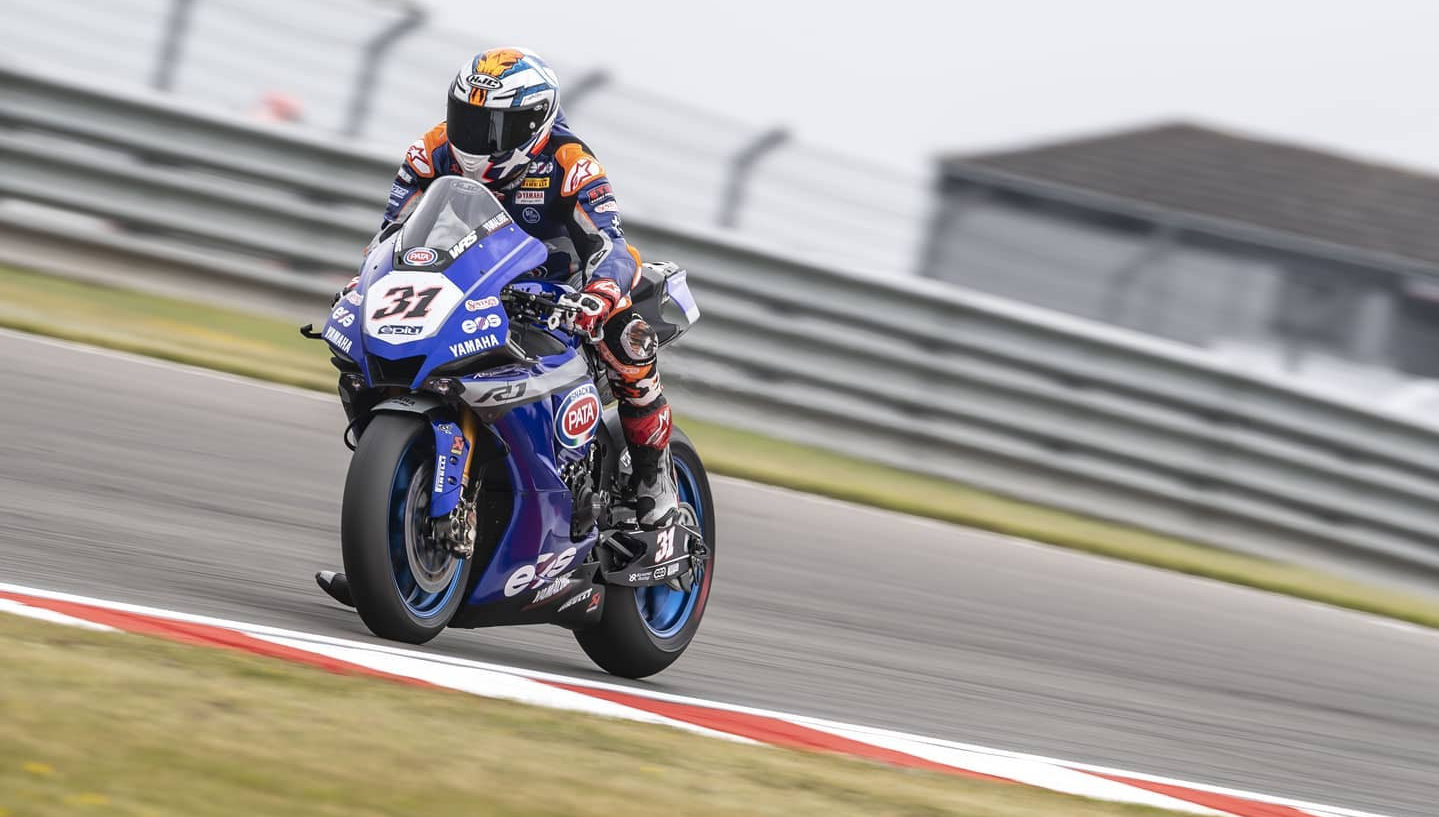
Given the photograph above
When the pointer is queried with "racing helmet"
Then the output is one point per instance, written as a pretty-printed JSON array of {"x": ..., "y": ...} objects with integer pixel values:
[{"x": 502, "y": 105}]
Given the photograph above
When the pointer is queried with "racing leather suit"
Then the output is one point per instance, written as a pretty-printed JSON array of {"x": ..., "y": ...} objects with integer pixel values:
[{"x": 564, "y": 199}]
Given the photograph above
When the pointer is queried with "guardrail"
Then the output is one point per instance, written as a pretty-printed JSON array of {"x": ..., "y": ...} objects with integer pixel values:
[
  {"x": 347, "y": 68},
  {"x": 1022, "y": 400}
]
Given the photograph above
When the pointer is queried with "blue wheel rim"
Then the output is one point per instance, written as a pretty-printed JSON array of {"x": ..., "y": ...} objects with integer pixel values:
[
  {"x": 665, "y": 610},
  {"x": 419, "y": 602}
]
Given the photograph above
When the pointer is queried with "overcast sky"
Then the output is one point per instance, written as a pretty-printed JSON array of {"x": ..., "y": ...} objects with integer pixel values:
[{"x": 910, "y": 79}]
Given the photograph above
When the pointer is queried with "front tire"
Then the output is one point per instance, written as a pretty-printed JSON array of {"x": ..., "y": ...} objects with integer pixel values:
[
  {"x": 645, "y": 629},
  {"x": 406, "y": 586}
]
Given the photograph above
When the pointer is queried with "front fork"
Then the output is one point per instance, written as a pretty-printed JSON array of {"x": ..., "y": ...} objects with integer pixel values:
[{"x": 453, "y": 515}]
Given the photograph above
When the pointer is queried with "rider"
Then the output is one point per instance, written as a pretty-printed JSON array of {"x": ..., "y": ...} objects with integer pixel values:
[{"x": 504, "y": 128}]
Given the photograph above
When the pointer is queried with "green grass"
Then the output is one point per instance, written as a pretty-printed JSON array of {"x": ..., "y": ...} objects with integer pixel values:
[
  {"x": 115, "y": 724},
  {"x": 271, "y": 349}
]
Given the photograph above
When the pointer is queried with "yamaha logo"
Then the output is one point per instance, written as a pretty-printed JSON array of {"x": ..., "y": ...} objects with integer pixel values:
[
  {"x": 578, "y": 417},
  {"x": 484, "y": 81}
]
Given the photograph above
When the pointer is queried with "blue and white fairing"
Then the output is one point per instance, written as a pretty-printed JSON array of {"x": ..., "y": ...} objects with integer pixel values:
[
  {"x": 428, "y": 299},
  {"x": 432, "y": 289}
]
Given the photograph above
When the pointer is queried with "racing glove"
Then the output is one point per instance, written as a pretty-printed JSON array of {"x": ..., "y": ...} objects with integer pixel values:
[{"x": 589, "y": 308}]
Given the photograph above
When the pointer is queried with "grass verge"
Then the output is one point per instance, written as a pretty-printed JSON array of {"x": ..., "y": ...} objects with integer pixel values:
[
  {"x": 117, "y": 724},
  {"x": 271, "y": 349}
]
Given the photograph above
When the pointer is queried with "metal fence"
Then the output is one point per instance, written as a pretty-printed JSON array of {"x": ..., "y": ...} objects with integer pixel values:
[
  {"x": 1019, "y": 399},
  {"x": 374, "y": 73}
]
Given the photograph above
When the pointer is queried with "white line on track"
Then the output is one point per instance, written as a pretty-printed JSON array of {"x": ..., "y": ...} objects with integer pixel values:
[{"x": 498, "y": 680}]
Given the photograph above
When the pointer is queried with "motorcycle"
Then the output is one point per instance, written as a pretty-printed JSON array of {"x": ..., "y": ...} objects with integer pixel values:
[{"x": 490, "y": 481}]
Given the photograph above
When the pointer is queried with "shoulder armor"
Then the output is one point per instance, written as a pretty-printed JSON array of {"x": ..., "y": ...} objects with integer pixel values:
[{"x": 581, "y": 168}]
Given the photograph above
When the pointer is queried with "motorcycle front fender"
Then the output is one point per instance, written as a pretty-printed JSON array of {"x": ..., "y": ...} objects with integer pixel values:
[{"x": 451, "y": 447}]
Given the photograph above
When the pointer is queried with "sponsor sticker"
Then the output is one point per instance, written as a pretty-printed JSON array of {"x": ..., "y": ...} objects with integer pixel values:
[
  {"x": 420, "y": 257},
  {"x": 495, "y": 223},
  {"x": 554, "y": 588},
  {"x": 399, "y": 329},
  {"x": 463, "y": 244},
  {"x": 485, "y": 81},
  {"x": 578, "y": 416},
  {"x": 355, "y": 298},
  {"x": 599, "y": 191},
  {"x": 576, "y": 599},
  {"x": 474, "y": 345},
  {"x": 530, "y": 215},
  {"x": 333, "y": 336},
  {"x": 542, "y": 167},
  {"x": 484, "y": 303},
  {"x": 529, "y": 197},
  {"x": 611, "y": 206},
  {"x": 536, "y": 183},
  {"x": 585, "y": 170},
  {"x": 546, "y": 566},
  {"x": 480, "y": 324}
]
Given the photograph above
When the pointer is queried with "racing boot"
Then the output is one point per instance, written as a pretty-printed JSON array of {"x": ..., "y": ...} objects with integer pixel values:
[{"x": 656, "y": 500}]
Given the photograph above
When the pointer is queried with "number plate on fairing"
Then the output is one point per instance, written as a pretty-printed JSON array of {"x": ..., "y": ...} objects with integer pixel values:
[{"x": 408, "y": 306}]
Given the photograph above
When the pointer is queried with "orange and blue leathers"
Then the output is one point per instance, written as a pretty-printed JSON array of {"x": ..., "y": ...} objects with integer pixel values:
[{"x": 563, "y": 197}]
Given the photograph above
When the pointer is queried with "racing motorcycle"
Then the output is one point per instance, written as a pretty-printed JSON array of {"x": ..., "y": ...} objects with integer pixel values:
[{"x": 490, "y": 480}]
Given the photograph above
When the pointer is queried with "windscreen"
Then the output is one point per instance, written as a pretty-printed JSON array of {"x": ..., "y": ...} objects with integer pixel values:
[{"x": 449, "y": 210}]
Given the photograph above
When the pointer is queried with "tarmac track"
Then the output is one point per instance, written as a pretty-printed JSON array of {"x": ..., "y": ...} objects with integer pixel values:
[{"x": 144, "y": 482}]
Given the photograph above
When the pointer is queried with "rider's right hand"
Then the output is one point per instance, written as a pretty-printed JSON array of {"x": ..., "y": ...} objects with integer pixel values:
[{"x": 583, "y": 313}]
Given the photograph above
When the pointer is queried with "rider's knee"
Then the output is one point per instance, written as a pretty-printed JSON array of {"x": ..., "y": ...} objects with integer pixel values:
[{"x": 632, "y": 339}]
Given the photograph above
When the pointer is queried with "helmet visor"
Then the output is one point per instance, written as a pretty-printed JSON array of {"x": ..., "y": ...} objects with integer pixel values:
[{"x": 487, "y": 131}]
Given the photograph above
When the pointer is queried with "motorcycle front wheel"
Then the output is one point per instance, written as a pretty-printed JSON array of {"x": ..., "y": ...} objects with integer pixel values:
[{"x": 406, "y": 585}]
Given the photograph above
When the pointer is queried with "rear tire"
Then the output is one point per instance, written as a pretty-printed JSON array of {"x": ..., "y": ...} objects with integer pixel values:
[
  {"x": 405, "y": 587},
  {"x": 644, "y": 630}
]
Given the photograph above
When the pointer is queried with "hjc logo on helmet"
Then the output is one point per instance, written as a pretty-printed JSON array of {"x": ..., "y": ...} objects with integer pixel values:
[{"x": 484, "y": 81}]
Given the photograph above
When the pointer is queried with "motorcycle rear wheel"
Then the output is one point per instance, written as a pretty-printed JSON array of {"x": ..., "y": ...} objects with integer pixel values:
[
  {"x": 406, "y": 586},
  {"x": 643, "y": 630}
]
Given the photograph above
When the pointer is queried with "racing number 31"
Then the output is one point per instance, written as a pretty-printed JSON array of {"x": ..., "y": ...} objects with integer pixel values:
[{"x": 406, "y": 299}]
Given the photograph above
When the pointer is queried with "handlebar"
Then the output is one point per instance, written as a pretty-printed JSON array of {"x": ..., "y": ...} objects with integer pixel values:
[{"x": 540, "y": 307}]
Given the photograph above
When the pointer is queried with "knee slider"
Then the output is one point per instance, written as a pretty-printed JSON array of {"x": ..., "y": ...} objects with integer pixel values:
[{"x": 638, "y": 341}]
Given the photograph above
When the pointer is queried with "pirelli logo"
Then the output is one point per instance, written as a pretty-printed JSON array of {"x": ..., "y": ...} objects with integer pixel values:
[{"x": 535, "y": 183}]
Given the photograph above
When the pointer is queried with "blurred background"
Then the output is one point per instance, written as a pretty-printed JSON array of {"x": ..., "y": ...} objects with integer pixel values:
[
  {"x": 1076, "y": 254},
  {"x": 1249, "y": 180},
  {"x": 1151, "y": 280}
]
